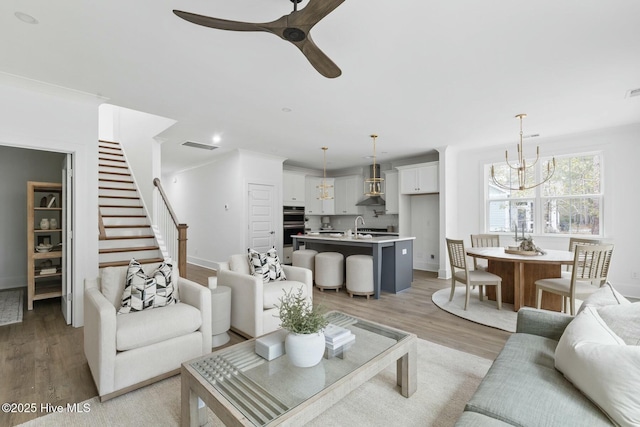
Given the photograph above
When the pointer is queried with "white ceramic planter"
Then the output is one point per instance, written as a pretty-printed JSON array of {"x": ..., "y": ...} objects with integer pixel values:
[{"x": 304, "y": 350}]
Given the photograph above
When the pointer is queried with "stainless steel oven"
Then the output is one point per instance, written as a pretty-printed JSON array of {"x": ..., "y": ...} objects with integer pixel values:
[{"x": 293, "y": 223}]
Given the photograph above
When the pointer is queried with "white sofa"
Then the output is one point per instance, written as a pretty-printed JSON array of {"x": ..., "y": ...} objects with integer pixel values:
[
  {"x": 128, "y": 351},
  {"x": 253, "y": 303}
]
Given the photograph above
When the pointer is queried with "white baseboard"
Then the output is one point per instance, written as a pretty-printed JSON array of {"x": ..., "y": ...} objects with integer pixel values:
[
  {"x": 202, "y": 262},
  {"x": 13, "y": 282}
]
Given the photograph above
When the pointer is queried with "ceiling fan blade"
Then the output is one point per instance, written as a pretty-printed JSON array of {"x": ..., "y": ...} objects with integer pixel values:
[
  {"x": 321, "y": 62},
  {"x": 223, "y": 24},
  {"x": 313, "y": 12}
]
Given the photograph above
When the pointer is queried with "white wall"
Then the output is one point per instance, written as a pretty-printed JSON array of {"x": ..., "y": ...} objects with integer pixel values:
[
  {"x": 621, "y": 151},
  {"x": 17, "y": 166},
  {"x": 39, "y": 116},
  {"x": 199, "y": 195}
]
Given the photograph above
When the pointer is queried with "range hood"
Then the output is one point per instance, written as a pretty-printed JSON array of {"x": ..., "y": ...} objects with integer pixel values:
[{"x": 372, "y": 200}]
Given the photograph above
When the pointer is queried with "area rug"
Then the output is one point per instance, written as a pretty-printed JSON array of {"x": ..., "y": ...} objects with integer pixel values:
[
  {"x": 484, "y": 312},
  {"x": 446, "y": 380},
  {"x": 11, "y": 306}
]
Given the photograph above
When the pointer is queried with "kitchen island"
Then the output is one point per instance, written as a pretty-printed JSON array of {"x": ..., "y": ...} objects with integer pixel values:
[{"x": 392, "y": 256}]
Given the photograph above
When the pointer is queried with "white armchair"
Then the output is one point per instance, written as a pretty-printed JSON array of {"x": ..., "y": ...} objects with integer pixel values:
[
  {"x": 129, "y": 351},
  {"x": 253, "y": 303}
]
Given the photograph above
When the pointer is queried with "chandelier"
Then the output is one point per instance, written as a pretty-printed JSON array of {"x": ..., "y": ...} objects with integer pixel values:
[
  {"x": 521, "y": 167},
  {"x": 324, "y": 187},
  {"x": 374, "y": 186}
]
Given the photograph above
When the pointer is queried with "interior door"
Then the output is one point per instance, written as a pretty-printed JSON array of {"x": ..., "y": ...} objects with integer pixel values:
[
  {"x": 67, "y": 244},
  {"x": 262, "y": 210}
]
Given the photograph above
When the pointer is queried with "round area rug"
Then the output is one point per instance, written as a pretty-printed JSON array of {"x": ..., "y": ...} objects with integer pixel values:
[{"x": 484, "y": 312}]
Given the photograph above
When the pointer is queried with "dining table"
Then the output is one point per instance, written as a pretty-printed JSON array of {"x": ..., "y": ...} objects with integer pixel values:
[{"x": 519, "y": 272}]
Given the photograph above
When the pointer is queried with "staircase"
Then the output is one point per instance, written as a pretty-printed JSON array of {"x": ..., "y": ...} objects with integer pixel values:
[{"x": 125, "y": 229}]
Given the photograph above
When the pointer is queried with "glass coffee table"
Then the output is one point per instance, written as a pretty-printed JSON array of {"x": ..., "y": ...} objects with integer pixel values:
[{"x": 243, "y": 389}]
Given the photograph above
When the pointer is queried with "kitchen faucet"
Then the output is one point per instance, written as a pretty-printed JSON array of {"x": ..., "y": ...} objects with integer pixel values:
[{"x": 356, "y": 225}]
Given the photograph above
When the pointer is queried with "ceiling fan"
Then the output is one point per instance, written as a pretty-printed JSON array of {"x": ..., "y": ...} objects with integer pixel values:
[{"x": 294, "y": 28}]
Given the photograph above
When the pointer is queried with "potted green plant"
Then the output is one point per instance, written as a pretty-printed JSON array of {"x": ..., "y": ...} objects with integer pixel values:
[{"x": 304, "y": 345}]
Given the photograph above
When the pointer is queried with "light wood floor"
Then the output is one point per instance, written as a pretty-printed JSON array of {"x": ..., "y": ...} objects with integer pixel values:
[{"x": 42, "y": 359}]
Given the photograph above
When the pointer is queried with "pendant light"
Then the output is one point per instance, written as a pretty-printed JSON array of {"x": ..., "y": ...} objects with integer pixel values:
[
  {"x": 521, "y": 167},
  {"x": 324, "y": 187},
  {"x": 374, "y": 185}
]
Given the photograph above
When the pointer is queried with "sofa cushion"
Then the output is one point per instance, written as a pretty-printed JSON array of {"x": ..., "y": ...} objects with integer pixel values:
[
  {"x": 239, "y": 264},
  {"x": 112, "y": 285},
  {"x": 522, "y": 387},
  {"x": 602, "y": 366},
  {"x": 258, "y": 265},
  {"x": 623, "y": 320},
  {"x": 143, "y": 328},
  {"x": 275, "y": 267},
  {"x": 273, "y": 291},
  {"x": 605, "y": 295},
  {"x": 475, "y": 419},
  {"x": 266, "y": 265},
  {"x": 143, "y": 292}
]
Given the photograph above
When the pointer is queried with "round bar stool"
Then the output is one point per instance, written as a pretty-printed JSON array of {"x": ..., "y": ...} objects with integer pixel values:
[
  {"x": 329, "y": 270},
  {"x": 360, "y": 275},
  {"x": 305, "y": 258}
]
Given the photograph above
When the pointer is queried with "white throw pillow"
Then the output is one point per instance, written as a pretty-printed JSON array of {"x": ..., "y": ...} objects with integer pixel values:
[
  {"x": 624, "y": 320},
  {"x": 605, "y": 295},
  {"x": 601, "y": 366},
  {"x": 112, "y": 285}
]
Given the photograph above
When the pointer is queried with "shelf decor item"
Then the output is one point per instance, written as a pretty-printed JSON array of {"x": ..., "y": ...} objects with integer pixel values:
[
  {"x": 44, "y": 224},
  {"x": 305, "y": 342}
]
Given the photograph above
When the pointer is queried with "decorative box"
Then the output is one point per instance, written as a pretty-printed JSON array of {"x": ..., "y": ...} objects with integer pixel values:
[{"x": 271, "y": 346}]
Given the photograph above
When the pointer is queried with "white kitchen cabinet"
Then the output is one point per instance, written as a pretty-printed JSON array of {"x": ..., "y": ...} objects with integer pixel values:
[
  {"x": 419, "y": 179},
  {"x": 391, "y": 196},
  {"x": 313, "y": 205},
  {"x": 348, "y": 192},
  {"x": 293, "y": 188}
]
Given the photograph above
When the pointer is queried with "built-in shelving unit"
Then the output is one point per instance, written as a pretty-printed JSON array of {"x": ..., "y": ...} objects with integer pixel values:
[{"x": 44, "y": 268}]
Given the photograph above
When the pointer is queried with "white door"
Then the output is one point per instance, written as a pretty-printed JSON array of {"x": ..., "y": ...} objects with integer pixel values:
[
  {"x": 262, "y": 212},
  {"x": 67, "y": 245}
]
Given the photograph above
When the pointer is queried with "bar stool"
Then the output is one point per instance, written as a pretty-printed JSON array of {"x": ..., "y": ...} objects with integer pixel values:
[
  {"x": 305, "y": 258},
  {"x": 360, "y": 275},
  {"x": 329, "y": 270}
]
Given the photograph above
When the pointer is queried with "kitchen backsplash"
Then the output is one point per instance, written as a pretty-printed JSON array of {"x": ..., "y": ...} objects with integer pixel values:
[{"x": 345, "y": 222}]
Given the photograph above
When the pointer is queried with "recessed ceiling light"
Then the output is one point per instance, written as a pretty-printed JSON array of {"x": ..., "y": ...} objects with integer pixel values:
[
  {"x": 216, "y": 139},
  {"x": 286, "y": 110},
  {"x": 26, "y": 18}
]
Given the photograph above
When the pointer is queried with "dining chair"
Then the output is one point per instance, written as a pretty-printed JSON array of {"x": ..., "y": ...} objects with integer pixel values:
[
  {"x": 589, "y": 272},
  {"x": 573, "y": 242},
  {"x": 460, "y": 273},
  {"x": 483, "y": 241}
]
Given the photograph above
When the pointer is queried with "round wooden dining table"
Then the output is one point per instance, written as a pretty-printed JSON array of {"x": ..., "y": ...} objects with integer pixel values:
[{"x": 520, "y": 272}]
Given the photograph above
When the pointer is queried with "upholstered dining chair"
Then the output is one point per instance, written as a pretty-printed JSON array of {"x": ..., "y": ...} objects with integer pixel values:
[
  {"x": 573, "y": 242},
  {"x": 589, "y": 272},
  {"x": 460, "y": 273},
  {"x": 483, "y": 241}
]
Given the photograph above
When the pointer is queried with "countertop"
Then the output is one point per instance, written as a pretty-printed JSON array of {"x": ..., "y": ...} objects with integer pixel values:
[
  {"x": 376, "y": 239},
  {"x": 375, "y": 233}
]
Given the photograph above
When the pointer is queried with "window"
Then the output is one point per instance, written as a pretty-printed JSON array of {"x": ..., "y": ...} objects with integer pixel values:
[{"x": 570, "y": 203}]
